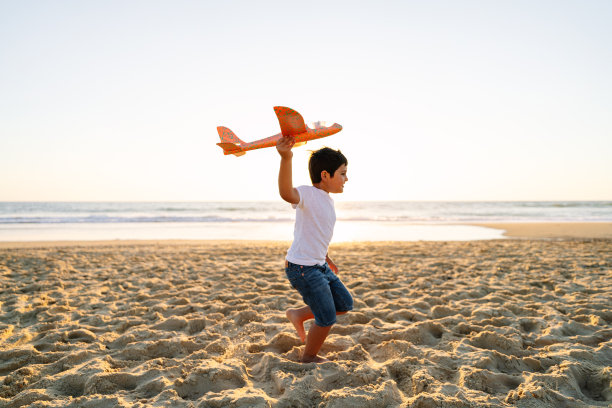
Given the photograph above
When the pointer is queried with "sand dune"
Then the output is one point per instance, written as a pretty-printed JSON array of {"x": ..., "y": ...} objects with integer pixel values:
[{"x": 436, "y": 324}]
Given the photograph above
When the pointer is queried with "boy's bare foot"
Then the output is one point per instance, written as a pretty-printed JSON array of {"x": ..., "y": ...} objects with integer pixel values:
[
  {"x": 314, "y": 359},
  {"x": 294, "y": 317}
]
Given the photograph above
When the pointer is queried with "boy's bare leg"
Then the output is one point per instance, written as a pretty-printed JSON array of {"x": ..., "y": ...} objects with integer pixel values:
[
  {"x": 316, "y": 337},
  {"x": 297, "y": 317}
]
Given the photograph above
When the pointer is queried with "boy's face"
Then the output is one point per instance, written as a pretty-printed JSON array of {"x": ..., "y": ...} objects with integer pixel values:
[{"x": 336, "y": 183}]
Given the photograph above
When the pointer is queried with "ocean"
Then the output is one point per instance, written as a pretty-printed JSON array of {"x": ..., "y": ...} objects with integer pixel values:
[{"x": 356, "y": 221}]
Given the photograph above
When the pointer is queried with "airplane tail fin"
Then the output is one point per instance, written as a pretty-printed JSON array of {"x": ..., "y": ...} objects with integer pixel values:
[
  {"x": 227, "y": 136},
  {"x": 229, "y": 142}
]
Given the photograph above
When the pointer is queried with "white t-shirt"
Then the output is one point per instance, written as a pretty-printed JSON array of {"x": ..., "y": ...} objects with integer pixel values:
[{"x": 315, "y": 218}]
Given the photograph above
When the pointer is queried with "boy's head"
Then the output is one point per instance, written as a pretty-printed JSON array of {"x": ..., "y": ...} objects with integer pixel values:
[{"x": 325, "y": 159}]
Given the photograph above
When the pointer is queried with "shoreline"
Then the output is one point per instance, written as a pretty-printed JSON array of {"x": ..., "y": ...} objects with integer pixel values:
[
  {"x": 511, "y": 230},
  {"x": 553, "y": 230}
]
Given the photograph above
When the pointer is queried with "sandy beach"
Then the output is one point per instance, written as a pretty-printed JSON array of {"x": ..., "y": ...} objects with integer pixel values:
[
  {"x": 553, "y": 230},
  {"x": 501, "y": 323}
]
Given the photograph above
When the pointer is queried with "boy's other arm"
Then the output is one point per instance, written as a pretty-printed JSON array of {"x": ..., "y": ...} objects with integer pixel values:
[
  {"x": 285, "y": 174},
  {"x": 331, "y": 264}
]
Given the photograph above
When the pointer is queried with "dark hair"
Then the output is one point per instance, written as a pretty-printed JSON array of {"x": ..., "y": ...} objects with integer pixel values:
[{"x": 325, "y": 159}]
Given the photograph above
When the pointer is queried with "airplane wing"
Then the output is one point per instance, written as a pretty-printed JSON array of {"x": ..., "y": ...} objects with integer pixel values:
[{"x": 291, "y": 122}]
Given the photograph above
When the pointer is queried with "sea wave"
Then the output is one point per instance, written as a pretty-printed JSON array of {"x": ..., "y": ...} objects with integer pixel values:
[
  {"x": 215, "y": 219},
  {"x": 271, "y": 212},
  {"x": 121, "y": 220}
]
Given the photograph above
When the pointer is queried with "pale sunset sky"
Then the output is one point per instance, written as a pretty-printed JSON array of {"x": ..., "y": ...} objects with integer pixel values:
[{"x": 439, "y": 100}]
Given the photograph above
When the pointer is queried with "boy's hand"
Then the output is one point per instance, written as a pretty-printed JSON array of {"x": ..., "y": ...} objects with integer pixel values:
[
  {"x": 285, "y": 182},
  {"x": 331, "y": 264},
  {"x": 284, "y": 145}
]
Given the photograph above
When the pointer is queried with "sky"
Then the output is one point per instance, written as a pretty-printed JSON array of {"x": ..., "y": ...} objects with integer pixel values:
[{"x": 439, "y": 100}]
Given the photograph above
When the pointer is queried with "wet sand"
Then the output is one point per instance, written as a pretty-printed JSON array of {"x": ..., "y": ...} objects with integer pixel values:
[
  {"x": 554, "y": 230},
  {"x": 524, "y": 323}
]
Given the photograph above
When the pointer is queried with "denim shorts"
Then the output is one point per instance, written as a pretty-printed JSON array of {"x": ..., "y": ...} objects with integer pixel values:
[{"x": 321, "y": 289}]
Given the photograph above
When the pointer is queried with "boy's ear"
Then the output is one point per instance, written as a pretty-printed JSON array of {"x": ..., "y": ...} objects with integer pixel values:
[{"x": 323, "y": 173}]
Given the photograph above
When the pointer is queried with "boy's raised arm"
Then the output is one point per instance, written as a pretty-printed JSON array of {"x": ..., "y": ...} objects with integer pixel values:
[{"x": 285, "y": 175}]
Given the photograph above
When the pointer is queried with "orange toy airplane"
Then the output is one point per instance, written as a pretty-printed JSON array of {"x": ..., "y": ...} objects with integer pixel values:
[{"x": 291, "y": 124}]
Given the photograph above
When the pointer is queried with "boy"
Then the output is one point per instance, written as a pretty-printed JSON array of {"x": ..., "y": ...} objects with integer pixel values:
[{"x": 307, "y": 265}]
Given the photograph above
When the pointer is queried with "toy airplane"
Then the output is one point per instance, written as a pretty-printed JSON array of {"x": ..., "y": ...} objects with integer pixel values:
[{"x": 291, "y": 124}]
